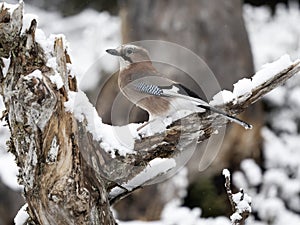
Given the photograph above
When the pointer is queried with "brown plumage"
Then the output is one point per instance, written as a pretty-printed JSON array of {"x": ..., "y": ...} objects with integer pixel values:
[
  {"x": 144, "y": 86},
  {"x": 141, "y": 71}
]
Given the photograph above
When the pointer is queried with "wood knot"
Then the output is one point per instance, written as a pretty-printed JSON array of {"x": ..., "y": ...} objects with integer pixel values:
[{"x": 4, "y": 15}]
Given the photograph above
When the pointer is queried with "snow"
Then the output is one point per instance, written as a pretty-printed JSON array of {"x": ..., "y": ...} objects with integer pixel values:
[
  {"x": 35, "y": 74},
  {"x": 272, "y": 36},
  {"x": 180, "y": 181},
  {"x": 226, "y": 173},
  {"x": 11, "y": 7},
  {"x": 157, "y": 125},
  {"x": 275, "y": 150},
  {"x": 277, "y": 199},
  {"x": 245, "y": 86},
  {"x": 173, "y": 213},
  {"x": 183, "y": 215},
  {"x": 6, "y": 66},
  {"x": 57, "y": 80},
  {"x": 22, "y": 215},
  {"x": 47, "y": 43},
  {"x": 277, "y": 96},
  {"x": 243, "y": 202},
  {"x": 239, "y": 179},
  {"x": 241, "y": 199},
  {"x": 271, "y": 208},
  {"x": 120, "y": 138},
  {"x": 275, "y": 195},
  {"x": 9, "y": 171},
  {"x": 8, "y": 167},
  {"x": 155, "y": 168},
  {"x": 242, "y": 87},
  {"x": 27, "y": 18},
  {"x": 289, "y": 124},
  {"x": 252, "y": 171},
  {"x": 51, "y": 62},
  {"x": 278, "y": 188},
  {"x": 223, "y": 97},
  {"x": 270, "y": 69},
  {"x": 294, "y": 97},
  {"x": 140, "y": 223},
  {"x": 87, "y": 39},
  {"x": 160, "y": 124},
  {"x": 235, "y": 217}
]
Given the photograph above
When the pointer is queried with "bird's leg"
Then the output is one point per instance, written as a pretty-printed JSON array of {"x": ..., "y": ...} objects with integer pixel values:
[
  {"x": 144, "y": 125},
  {"x": 139, "y": 129},
  {"x": 153, "y": 126}
]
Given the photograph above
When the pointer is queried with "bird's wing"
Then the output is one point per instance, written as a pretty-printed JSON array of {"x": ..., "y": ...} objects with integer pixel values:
[
  {"x": 180, "y": 91},
  {"x": 153, "y": 83},
  {"x": 153, "y": 86}
]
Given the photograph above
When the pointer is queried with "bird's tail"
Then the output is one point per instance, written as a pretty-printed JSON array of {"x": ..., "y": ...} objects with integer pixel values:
[
  {"x": 227, "y": 116},
  {"x": 200, "y": 103}
]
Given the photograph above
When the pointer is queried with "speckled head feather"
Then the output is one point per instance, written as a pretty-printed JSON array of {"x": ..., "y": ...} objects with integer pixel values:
[{"x": 130, "y": 53}]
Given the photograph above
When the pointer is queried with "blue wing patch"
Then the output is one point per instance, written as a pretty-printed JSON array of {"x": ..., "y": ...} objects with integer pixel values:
[{"x": 149, "y": 89}]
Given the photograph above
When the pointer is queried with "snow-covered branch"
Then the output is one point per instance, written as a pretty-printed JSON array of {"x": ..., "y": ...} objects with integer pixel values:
[
  {"x": 240, "y": 202},
  {"x": 72, "y": 165},
  {"x": 199, "y": 127}
]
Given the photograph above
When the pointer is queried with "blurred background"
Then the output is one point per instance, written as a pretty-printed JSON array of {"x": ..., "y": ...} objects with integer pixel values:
[{"x": 235, "y": 38}]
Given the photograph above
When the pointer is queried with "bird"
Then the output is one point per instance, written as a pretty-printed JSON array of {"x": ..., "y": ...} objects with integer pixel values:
[{"x": 144, "y": 86}]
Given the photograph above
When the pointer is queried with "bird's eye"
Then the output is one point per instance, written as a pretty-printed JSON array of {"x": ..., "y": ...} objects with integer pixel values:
[{"x": 129, "y": 51}]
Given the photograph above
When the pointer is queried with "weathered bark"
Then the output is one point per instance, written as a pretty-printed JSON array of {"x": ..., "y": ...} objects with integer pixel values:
[
  {"x": 58, "y": 185},
  {"x": 67, "y": 176}
]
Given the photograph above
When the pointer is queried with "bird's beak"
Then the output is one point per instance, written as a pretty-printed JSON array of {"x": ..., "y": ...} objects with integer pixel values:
[{"x": 113, "y": 52}]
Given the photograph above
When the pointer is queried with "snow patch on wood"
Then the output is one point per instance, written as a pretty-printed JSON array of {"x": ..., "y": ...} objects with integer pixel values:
[{"x": 22, "y": 215}]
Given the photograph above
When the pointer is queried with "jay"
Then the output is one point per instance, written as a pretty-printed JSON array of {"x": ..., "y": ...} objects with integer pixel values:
[{"x": 147, "y": 88}]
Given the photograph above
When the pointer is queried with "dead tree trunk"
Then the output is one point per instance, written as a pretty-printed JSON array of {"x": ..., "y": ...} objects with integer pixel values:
[
  {"x": 68, "y": 175},
  {"x": 59, "y": 188}
]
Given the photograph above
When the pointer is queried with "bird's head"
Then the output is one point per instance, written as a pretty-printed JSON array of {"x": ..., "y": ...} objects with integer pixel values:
[{"x": 130, "y": 53}]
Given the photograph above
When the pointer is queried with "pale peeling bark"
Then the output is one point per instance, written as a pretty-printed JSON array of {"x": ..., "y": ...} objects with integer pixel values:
[
  {"x": 68, "y": 178},
  {"x": 58, "y": 185}
]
